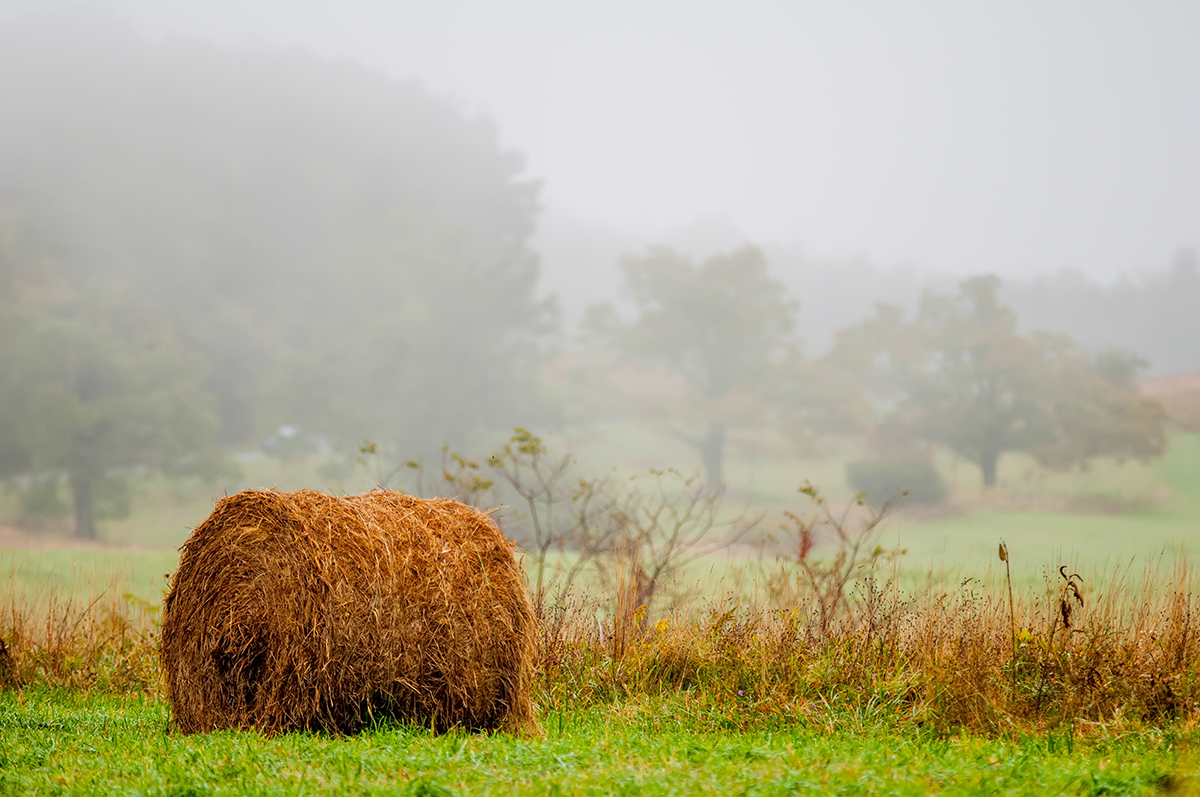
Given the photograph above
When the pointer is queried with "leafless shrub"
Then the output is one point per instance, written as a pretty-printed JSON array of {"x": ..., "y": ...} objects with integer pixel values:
[
  {"x": 566, "y": 514},
  {"x": 666, "y": 521},
  {"x": 822, "y": 584}
]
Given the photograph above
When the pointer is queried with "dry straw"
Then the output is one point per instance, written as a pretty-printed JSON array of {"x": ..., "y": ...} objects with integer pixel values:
[{"x": 306, "y": 611}]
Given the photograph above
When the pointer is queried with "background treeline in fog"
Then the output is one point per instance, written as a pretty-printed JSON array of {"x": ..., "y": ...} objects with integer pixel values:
[
  {"x": 339, "y": 248},
  {"x": 199, "y": 245}
]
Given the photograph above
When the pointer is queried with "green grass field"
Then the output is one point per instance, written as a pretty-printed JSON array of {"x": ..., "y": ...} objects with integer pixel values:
[
  {"x": 1096, "y": 538},
  {"x": 70, "y": 743},
  {"x": 1161, "y": 516},
  {"x": 1116, "y": 516},
  {"x": 1111, "y": 511}
]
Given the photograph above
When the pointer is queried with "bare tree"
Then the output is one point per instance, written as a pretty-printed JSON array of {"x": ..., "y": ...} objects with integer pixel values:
[
  {"x": 567, "y": 514},
  {"x": 635, "y": 534},
  {"x": 667, "y": 521}
]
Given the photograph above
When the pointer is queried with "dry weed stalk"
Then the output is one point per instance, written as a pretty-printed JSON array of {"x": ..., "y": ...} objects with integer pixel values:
[
  {"x": 1012, "y": 618},
  {"x": 802, "y": 579},
  {"x": 106, "y": 643}
]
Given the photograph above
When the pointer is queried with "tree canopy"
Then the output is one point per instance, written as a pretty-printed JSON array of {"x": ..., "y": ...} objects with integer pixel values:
[
  {"x": 723, "y": 324},
  {"x": 960, "y": 374},
  {"x": 92, "y": 386}
]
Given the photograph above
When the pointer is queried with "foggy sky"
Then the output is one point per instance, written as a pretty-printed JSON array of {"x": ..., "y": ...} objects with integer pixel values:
[{"x": 1018, "y": 137}]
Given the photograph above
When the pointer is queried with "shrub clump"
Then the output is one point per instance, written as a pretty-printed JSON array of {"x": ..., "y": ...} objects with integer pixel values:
[{"x": 881, "y": 479}]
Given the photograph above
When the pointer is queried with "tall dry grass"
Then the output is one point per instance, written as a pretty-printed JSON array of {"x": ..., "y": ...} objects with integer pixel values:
[
  {"x": 107, "y": 643},
  {"x": 940, "y": 656},
  {"x": 1101, "y": 653}
]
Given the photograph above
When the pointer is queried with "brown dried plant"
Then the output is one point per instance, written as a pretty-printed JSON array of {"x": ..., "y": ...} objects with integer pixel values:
[{"x": 853, "y": 534}]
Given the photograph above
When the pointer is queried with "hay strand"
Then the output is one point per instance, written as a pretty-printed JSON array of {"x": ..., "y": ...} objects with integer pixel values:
[{"x": 306, "y": 611}]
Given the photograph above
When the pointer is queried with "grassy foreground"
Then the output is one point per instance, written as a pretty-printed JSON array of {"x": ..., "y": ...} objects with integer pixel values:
[
  {"x": 74, "y": 742},
  {"x": 819, "y": 683}
]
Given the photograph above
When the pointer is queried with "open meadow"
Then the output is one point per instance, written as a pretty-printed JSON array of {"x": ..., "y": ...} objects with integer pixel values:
[
  {"x": 57, "y": 742},
  {"x": 917, "y": 675},
  {"x": 1115, "y": 515}
]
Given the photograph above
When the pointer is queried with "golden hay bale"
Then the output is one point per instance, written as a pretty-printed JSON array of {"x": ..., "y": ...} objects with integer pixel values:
[{"x": 306, "y": 611}]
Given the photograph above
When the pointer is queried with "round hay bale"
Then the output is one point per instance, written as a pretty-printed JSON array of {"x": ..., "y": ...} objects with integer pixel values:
[{"x": 305, "y": 611}]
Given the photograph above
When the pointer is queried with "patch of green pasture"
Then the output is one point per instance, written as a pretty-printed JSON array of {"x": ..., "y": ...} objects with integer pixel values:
[
  {"x": 164, "y": 512},
  {"x": 74, "y": 743},
  {"x": 1098, "y": 540},
  {"x": 1179, "y": 470},
  {"x": 1038, "y": 539},
  {"x": 32, "y": 576}
]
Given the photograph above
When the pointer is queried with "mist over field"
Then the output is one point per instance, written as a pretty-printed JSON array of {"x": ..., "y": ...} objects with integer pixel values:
[{"x": 941, "y": 245}]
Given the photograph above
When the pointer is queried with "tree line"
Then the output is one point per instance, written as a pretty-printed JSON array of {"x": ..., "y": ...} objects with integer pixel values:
[
  {"x": 199, "y": 245},
  {"x": 958, "y": 373}
]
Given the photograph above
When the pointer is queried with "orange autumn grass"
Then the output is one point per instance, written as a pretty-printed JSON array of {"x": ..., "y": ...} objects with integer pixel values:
[{"x": 937, "y": 656}]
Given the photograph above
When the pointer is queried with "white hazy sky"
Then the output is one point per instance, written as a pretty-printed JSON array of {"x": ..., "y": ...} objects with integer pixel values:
[{"x": 1018, "y": 137}]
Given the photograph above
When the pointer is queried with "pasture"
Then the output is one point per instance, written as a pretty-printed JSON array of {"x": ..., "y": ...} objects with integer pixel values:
[
  {"x": 57, "y": 742},
  {"x": 722, "y": 689}
]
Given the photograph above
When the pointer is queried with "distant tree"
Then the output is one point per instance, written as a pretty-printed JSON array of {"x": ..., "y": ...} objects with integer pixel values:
[
  {"x": 1097, "y": 408},
  {"x": 960, "y": 374},
  {"x": 1118, "y": 367},
  {"x": 92, "y": 388},
  {"x": 724, "y": 325}
]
